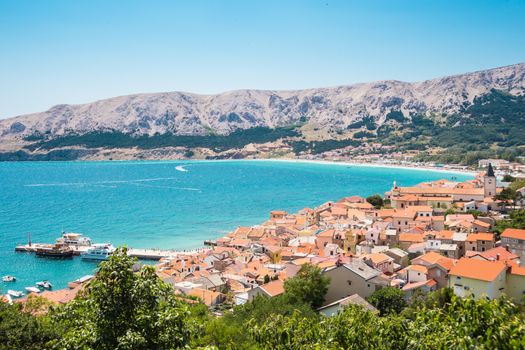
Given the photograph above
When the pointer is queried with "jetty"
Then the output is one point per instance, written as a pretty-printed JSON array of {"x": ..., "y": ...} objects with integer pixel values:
[{"x": 144, "y": 254}]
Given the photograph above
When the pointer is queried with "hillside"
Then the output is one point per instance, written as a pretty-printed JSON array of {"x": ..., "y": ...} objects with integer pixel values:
[{"x": 428, "y": 114}]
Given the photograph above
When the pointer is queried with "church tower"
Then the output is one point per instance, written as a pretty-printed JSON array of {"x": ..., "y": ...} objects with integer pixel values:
[{"x": 489, "y": 182}]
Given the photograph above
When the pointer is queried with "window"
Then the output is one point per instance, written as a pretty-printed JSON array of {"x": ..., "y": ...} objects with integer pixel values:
[{"x": 349, "y": 282}]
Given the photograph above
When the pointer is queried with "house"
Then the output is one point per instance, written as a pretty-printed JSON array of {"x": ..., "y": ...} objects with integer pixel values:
[
  {"x": 494, "y": 254},
  {"x": 437, "y": 266},
  {"x": 478, "y": 278},
  {"x": 380, "y": 261},
  {"x": 514, "y": 239},
  {"x": 422, "y": 286},
  {"x": 356, "y": 277},
  {"x": 270, "y": 290},
  {"x": 516, "y": 282},
  {"x": 338, "y": 305},
  {"x": 210, "y": 298},
  {"x": 480, "y": 242},
  {"x": 400, "y": 256}
]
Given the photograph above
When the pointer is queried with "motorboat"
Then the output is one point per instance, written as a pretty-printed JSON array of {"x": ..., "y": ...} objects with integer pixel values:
[
  {"x": 74, "y": 239},
  {"x": 58, "y": 250},
  {"x": 44, "y": 284},
  {"x": 9, "y": 278},
  {"x": 32, "y": 289},
  {"x": 15, "y": 293},
  {"x": 100, "y": 251}
]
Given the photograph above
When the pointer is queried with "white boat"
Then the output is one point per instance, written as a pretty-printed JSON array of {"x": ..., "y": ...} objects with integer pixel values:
[
  {"x": 9, "y": 278},
  {"x": 74, "y": 239},
  {"x": 100, "y": 251},
  {"x": 32, "y": 289},
  {"x": 44, "y": 284},
  {"x": 15, "y": 293}
]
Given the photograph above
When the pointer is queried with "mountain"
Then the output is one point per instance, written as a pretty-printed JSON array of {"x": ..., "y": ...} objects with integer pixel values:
[
  {"x": 192, "y": 114},
  {"x": 329, "y": 111}
]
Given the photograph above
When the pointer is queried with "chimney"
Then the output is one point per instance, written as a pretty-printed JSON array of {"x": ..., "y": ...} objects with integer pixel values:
[
  {"x": 507, "y": 248},
  {"x": 497, "y": 257}
]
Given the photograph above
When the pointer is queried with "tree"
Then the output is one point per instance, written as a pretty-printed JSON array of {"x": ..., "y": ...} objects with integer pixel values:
[
  {"x": 121, "y": 309},
  {"x": 21, "y": 330},
  {"x": 516, "y": 220},
  {"x": 388, "y": 300},
  {"x": 376, "y": 200},
  {"x": 308, "y": 286}
]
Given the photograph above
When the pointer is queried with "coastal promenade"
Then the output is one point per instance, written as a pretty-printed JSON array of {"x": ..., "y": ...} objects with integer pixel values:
[{"x": 140, "y": 253}]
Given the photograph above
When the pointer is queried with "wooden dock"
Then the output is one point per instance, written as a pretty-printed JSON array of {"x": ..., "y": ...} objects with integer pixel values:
[{"x": 145, "y": 254}]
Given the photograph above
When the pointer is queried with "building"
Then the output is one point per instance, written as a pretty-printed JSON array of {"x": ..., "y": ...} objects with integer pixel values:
[
  {"x": 514, "y": 239},
  {"x": 478, "y": 278},
  {"x": 270, "y": 289},
  {"x": 338, "y": 305},
  {"x": 355, "y": 277},
  {"x": 489, "y": 182}
]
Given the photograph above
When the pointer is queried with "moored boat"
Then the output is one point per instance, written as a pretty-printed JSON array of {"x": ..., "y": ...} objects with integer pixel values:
[
  {"x": 74, "y": 239},
  {"x": 100, "y": 251},
  {"x": 15, "y": 293},
  {"x": 58, "y": 250},
  {"x": 9, "y": 278},
  {"x": 44, "y": 284},
  {"x": 32, "y": 289}
]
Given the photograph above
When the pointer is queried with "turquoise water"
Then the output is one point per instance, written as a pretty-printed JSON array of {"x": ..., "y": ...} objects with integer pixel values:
[{"x": 154, "y": 205}]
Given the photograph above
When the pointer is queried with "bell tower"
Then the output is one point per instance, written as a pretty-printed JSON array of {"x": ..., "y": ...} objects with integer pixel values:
[{"x": 489, "y": 182}]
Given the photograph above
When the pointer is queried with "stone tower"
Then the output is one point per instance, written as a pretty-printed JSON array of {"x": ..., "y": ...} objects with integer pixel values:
[{"x": 489, "y": 182}]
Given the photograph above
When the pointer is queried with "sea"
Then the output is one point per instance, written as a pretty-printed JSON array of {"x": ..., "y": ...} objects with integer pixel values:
[{"x": 162, "y": 204}]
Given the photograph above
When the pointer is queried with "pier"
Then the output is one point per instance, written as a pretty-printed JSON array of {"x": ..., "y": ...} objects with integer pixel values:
[{"x": 144, "y": 254}]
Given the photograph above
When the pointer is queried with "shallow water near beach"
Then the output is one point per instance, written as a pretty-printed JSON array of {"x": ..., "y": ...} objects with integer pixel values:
[{"x": 161, "y": 204}]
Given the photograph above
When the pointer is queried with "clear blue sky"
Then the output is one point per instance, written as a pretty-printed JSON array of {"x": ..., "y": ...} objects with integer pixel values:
[{"x": 55, "y": 52}]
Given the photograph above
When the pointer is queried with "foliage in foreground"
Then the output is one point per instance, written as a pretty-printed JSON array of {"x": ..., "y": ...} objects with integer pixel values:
[
  {"x": 461, "y": 324},
  {"x": 122, "y": 309}
]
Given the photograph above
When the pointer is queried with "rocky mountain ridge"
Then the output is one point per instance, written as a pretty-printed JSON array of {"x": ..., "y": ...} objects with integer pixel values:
[{"x": 335, "y": 108}]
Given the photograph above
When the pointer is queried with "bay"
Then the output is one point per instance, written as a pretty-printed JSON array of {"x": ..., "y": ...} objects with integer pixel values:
[{"x": 161, "y": 204}]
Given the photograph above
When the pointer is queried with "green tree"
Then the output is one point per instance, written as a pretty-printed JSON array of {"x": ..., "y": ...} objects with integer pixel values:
[
  {"x": 516, "y": 220},
  {"x": 19, "y": 329},
  {"x": 376, "y": 200},
  {"x": 308, "y": 286},
  {"x": 121, "y": 309},
  {"x": 388, "y": 300}
]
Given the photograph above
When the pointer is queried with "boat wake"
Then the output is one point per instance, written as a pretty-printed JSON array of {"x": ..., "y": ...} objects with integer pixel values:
[
  {"x": 98, "y": 183},
  {"x": 181, "y": 168}
]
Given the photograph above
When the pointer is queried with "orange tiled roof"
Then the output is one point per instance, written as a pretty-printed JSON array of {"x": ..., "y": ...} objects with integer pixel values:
[
  {"x": 273, "y": 288},
  {"x": 473, "y": 237},
  {"x": 411, "y": 237},
  {"x": 478, "y": 269},
  {"x": 514, "y": 233}
]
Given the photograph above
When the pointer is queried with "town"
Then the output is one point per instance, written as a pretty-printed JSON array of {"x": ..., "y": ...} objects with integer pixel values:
[{"x": 418, "y": 239}]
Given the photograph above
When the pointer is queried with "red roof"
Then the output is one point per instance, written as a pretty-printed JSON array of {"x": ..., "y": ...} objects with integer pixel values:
[
  {"x": 514, "y": 233},
  {"x": 478, "y": 269}
]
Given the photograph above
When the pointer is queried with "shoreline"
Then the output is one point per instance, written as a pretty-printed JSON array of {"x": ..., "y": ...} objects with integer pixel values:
[
  {"x": 284, "y": 160},
  {"x": 371, "y": 165}
]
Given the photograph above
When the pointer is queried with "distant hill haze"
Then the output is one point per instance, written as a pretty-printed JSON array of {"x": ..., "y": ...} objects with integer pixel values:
[{"x": 327, "y": 108}]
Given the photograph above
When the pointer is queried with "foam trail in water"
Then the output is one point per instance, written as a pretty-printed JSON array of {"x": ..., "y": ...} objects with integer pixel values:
[
  {"x": 181, "y": 168},
  {"x": 101, "y": 182}
]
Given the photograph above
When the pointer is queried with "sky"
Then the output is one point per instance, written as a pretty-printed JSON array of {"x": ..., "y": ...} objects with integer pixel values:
[{"x": 61, "y": 51}]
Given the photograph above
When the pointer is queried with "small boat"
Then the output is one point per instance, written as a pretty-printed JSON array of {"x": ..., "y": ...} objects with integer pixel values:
[
  {"x": 44, "y": 284},
  {"x": 100, "y": 251},
  {"x": 32, "y": 289},
  {"x": 15, "y": 293},
  {"x": 58, "y": 250},
  {"x": 9, "y": 278}
]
